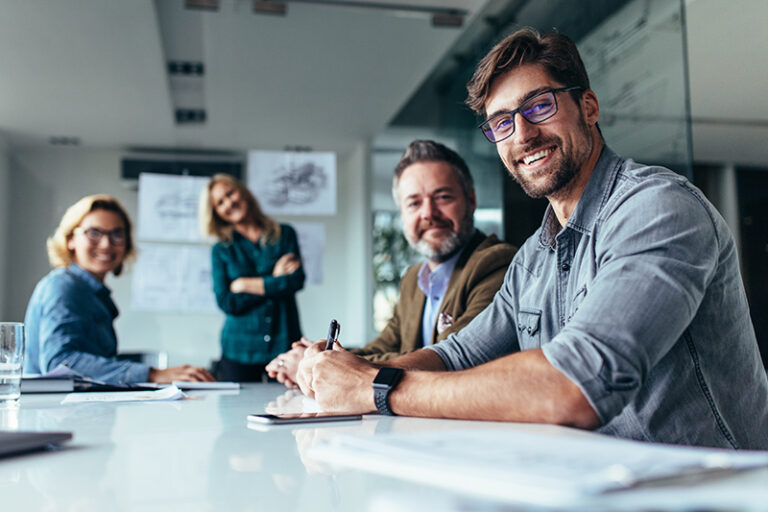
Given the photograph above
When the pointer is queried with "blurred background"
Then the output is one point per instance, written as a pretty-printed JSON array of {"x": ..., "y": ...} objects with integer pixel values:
[{"x": 92, "y": 92}]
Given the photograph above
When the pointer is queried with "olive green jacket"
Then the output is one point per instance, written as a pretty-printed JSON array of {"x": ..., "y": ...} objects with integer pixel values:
[{"x": 476, "y": 278}]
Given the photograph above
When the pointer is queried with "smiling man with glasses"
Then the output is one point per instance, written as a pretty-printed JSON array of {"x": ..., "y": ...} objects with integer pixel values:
[
  {"x": 624, "y": 312},
  {"x": 538, "y": 108}
]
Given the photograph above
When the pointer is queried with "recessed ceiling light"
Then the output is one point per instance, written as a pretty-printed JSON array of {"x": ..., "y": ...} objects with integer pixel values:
[{"x": 63, "y": 140}]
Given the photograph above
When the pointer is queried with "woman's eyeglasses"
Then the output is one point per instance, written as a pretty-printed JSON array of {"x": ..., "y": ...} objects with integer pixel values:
[{"x": 116, "y": 236}]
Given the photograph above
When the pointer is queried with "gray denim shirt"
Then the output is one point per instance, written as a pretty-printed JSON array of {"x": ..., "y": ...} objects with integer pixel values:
[{"x": 639, "y": 301}]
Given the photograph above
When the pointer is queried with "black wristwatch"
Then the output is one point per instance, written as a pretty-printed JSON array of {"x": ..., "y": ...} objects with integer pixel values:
[{"x": 383, "y": 384}]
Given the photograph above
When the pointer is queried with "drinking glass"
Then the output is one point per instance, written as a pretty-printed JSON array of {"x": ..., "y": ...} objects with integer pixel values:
[{"x": 11, "y": 360}]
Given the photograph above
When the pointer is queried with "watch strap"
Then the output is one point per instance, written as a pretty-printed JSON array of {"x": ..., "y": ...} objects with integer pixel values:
[{"x": 381, "y": 391}]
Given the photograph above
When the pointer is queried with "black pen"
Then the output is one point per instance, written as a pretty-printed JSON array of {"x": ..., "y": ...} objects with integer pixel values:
[{"x": 333, "y": 334}]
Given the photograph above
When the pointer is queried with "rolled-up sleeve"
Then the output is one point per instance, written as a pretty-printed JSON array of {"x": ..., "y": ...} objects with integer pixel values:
[{"x": 655, "y": 257}]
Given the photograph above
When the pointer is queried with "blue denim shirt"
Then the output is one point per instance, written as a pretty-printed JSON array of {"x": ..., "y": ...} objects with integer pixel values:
[
  {"x": 258, "y": 328},
  {"x": 639, "y": 301},
  {"x": 69, "y": 321}
]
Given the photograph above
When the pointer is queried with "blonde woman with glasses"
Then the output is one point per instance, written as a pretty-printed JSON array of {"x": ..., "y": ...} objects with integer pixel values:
[{"x": 70, "y": 314}]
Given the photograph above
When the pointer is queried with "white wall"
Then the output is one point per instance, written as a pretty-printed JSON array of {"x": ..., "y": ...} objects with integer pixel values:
[
  {"x": 45, "y": 182},
  {"x": 5, "y": 195},
  {"x": 346, "y": 293}
]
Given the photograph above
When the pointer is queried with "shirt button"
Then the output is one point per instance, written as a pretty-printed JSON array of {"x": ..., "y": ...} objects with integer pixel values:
[
  {"x": 565, "y": 268},
  {"x": 267, "y": 337}
]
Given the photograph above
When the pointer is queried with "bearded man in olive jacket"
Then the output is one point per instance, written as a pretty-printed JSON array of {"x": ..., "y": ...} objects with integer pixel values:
[{"x": 463, "y": 270}]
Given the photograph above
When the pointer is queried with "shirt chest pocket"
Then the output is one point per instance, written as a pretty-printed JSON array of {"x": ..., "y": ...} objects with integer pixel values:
[
  {"x": 529, "y": 328},
  {"x": 576, "y": 302}
]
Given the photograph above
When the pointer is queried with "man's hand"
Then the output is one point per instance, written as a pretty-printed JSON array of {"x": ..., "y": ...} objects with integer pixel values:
[
  {"x": 284, "y": 367},
  {"x": 287, "y": 264},
  {"x": 339, "y": 380},
  {"x": 185, "y": 372}
]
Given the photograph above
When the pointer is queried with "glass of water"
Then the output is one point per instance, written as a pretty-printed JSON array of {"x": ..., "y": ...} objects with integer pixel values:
[{"x": 11, "y": 360}]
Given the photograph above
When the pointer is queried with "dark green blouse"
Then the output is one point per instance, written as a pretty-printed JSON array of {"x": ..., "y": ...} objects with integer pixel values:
[{"x": 257, "y": 327}]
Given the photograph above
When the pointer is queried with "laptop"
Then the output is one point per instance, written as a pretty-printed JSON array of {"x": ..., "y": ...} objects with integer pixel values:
[{"x": 13, "y": 442}]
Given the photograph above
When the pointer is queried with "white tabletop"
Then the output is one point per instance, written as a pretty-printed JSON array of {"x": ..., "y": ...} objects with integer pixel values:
[{"x": 200, "y": 454}]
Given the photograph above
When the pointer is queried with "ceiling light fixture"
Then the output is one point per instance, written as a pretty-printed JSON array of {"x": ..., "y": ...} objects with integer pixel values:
[
  {"x": 440, "y": 16},
  {"x": 269, "y": 7},
  {"x": 64, "y": 140},
  {"x": 202, "y": 5}
]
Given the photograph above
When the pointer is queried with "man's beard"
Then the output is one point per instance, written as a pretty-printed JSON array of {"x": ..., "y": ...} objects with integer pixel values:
[
  {"x": 450, "y": 245},
  {"x": 559, "y": 180}
]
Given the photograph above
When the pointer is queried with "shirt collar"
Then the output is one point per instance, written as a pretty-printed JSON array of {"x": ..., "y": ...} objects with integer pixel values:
[
  {"x": 593, "y": 198},
  {"x": 85, "y": 276},
  {"x": 438, "y": 278},
  {"x": 99, "y": 289}
]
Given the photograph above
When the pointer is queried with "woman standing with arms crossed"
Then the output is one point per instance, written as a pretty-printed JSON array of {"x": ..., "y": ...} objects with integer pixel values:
[
  {"x": 257, "y": 271},
  {"x": 70, "y": 314}
]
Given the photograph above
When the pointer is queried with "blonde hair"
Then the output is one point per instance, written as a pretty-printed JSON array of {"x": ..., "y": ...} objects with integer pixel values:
[
  {"x": 213, "y": 225},
  {"x": 59, "y": 255}
]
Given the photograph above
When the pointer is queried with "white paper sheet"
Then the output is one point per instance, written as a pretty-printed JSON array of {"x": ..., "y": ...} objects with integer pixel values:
[
  {"x": 205, "y": 385},
  {"x": 527, "y": 467},
  {"x": 169, "y": 393},
  {"x": 196, "y": 386}
]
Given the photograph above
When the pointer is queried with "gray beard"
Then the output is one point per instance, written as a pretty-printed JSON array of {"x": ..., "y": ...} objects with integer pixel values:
[
  {"x": 450, "y": 246},
  {"x": 443, "y": 252}
]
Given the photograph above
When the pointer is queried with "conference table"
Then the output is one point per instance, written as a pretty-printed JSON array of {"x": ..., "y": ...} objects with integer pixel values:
[{"x": 201, "y": 454}]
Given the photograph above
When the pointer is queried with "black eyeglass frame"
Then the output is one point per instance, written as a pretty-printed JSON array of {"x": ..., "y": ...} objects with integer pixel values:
[
  {"x": 117, "y": 237},
  {"x": 520, "y": 111}
]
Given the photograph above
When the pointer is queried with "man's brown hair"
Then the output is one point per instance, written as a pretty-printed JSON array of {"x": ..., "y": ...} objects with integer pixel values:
[{"x": 556, "y": 52}]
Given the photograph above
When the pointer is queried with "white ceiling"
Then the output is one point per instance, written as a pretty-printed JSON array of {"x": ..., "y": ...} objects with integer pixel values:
[{"x": 324, "y": 77}]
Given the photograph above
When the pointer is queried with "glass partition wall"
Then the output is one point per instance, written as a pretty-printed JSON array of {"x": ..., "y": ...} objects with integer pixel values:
[{"x": 634, "y": 52}]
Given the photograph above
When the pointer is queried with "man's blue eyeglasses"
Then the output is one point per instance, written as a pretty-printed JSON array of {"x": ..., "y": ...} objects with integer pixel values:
[{"x": 534, "y": 110}]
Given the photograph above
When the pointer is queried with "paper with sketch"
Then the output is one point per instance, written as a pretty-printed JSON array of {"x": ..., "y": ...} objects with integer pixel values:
[
  {"x": 293, "y": 183},
  {"x": 516, "y": 466},
  {"x": 168, "y": 207},
  {"x": 173, "y": 277},
  {"x": 169, "y": 393}
]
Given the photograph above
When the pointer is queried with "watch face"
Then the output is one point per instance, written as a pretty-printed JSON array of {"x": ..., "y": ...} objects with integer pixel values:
[{"x": 387, "y": 376}]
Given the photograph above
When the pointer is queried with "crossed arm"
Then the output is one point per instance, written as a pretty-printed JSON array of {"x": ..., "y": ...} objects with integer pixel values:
[{"x": 287, "y": 264}]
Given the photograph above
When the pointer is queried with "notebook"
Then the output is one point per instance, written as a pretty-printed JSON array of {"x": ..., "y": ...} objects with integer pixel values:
[
  {"x": 40, "y": 384},
  {"x": 12, "y": 442}
]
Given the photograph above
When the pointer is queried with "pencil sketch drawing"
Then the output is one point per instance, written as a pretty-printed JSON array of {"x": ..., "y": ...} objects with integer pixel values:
[{"x": 296, "y": 184}]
